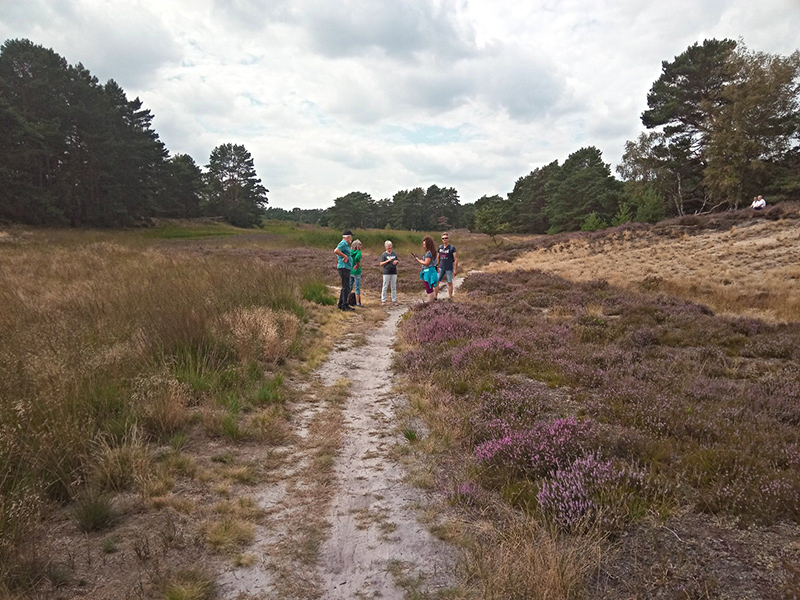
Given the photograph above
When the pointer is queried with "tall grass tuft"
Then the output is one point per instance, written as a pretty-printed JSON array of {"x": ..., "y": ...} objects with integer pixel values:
[
  {"x": 93, "y": 512},
  {"x": 318, "y": 292}
]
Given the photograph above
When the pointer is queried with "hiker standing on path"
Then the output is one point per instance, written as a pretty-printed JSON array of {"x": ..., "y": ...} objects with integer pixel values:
[
  {"x": 343, "y": 266},
  {"x": 448, "y": 265},
  {"x": 389, "y": 263},
  {"x": 355, "y": 270},
  {"x": 428, "y": 273}
]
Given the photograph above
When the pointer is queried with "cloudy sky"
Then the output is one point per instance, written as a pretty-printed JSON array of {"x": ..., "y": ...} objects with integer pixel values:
[{"x": 381, "y": 95}]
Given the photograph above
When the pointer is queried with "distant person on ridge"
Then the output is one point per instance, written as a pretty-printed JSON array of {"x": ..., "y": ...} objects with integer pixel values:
[
  {"x": 428, "y": 273},
  {"x": 355, "y": 270},
  {"x": 343, "y": 266},
  {"x": 389, "y": 263},
  {"x": 758, "y": 203},
  {"x": 448, "y": 265}
]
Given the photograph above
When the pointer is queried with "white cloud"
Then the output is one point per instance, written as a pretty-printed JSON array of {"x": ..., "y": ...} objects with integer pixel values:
[{"x": 380, "y": 95}]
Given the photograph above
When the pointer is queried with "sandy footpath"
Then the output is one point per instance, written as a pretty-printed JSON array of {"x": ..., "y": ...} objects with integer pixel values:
[
  {"x": 373, "y": 542},
  {"x": 375, "y": 535}
]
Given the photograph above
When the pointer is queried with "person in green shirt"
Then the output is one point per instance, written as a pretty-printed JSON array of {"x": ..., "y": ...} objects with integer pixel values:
[
  {"x": 342, "y": 252},
  {"x": 355, "y": 270}
]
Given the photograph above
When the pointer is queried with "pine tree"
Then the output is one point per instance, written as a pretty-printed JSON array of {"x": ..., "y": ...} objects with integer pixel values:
[{"x": 234, "y": 190}]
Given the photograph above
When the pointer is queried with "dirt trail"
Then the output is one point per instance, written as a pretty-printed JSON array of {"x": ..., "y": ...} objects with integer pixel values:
[
  {"x": 374, "y": 545},
  {"x": 375, "y": 538}
]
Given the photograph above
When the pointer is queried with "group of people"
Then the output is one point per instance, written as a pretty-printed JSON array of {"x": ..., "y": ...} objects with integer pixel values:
[
  {"x": 436, "y": 265},
  {"x": 758, "y": 203}
]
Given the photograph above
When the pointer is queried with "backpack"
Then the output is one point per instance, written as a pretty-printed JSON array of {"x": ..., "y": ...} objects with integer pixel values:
[{"x": 351, "y": 299}]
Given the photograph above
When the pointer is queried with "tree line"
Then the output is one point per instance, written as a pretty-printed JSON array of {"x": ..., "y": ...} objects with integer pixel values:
[
  {"x": 723, "y": 124},
  {"x": 77, "y": 152}
]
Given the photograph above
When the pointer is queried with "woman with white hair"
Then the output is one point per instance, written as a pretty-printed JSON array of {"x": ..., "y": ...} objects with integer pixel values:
[{"x": 389, "y": 263}]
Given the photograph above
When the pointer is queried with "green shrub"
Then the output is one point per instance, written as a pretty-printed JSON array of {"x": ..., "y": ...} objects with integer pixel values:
[
  {"x": 318, "y": 293},
  {"x": 93, "y": 512},
  {"x": 270, "y": 391}
]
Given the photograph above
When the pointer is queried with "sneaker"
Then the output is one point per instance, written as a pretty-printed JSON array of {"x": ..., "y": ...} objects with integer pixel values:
[
  {"x": 348, "y": 308},
  {"x": 359, "y": 305}
]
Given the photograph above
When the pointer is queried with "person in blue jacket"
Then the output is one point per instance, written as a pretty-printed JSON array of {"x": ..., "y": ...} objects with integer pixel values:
[{"x": 428, "y": 274}]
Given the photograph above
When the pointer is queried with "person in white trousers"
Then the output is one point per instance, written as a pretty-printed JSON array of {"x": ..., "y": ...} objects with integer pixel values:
[{"x": 389, "y": 264}]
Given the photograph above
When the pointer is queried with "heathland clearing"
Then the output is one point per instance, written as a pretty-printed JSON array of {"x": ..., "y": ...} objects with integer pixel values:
[
  {"x": 173, "y": 418},
  {"x": 737, "y": 263}
]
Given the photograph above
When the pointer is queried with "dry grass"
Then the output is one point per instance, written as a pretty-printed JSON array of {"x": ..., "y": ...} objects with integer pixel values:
[
  {"x": 752, "y": 269},
  {"x": 112, "y": 343},
  {"x": 520, "y": 559}
]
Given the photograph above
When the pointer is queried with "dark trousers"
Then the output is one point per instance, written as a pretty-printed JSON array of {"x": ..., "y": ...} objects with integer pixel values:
[{"x": 345, "y": 293}]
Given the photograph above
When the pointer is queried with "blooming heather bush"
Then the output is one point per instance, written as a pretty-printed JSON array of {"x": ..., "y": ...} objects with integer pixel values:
[
  {"x": 492, "y": 350},
  {"x": 708, "y": 402},
  {"x": 514, "y": 405},
  {"x": 780, "y": 396},
  {"x": 444, "y": 323},
  {"x": 777, "y": 345},
  {"x": 466, "y": 493},
  {"x": 589, "y": 492},
  {"x": 537, "y": 451}
]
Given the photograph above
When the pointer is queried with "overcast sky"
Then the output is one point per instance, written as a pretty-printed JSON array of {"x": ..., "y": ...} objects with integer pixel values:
[{"x": 381, "y": 95}]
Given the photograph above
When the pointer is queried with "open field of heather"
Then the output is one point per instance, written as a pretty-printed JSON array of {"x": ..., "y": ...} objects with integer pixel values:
[{"x": 600, "y": 440}]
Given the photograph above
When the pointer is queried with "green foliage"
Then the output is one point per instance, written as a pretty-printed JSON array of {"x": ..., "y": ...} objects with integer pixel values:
[
  {"x": 582, "y": 185},
  {"x": 729, "y": 121},
  {"x": 229, "y": 427},
  {"x": 756, "y": 127},
  {"x": 650, "y": 206},
  {"x": 489, "y": 220},
  {"x": 355, "y": 209},
  {"x": 183, "y": 188},
  {"x": 234, "y": 191},
  {"x": 624, "y": 215},
  {"x": 593, "y": 222},
  {"x": 528, "y": 200},
  {"x": 318, "y": 292},
  {"x": 76, "y": 152},
  {"x": 270, "y": 391},
  {"x": 93, "y": 512}
]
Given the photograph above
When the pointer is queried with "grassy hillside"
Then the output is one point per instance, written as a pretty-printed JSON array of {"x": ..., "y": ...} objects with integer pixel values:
[{"x": 738, "y": 262}]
